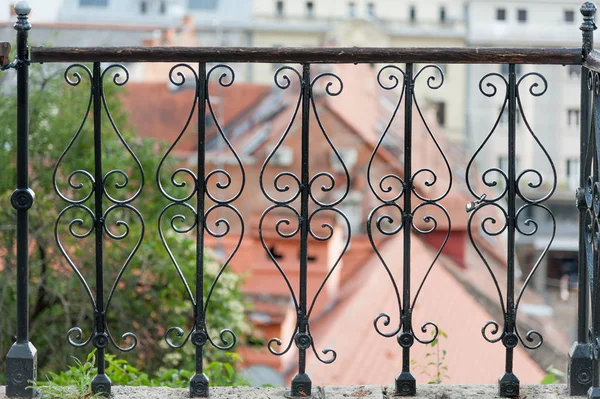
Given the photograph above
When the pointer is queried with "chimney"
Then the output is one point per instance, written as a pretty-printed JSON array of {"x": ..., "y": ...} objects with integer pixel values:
[
  {"x": 168, "y": 36},
  {"x": 188, "y": 22},
  {"x": 154, "y": 40}
]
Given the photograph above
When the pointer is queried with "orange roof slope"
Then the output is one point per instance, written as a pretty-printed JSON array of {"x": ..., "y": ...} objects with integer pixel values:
[
  {"x": 159, "y": 112},
  {"x": 365, "y": 357}
]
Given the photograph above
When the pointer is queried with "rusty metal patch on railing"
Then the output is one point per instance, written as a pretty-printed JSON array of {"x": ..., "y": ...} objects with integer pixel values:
[{"x": 4, "y": 53}]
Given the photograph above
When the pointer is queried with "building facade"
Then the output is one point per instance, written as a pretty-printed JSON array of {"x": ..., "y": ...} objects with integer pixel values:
[{"x": 553, "y": 117}]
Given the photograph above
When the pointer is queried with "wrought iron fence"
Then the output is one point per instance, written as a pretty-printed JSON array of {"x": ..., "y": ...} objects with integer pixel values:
[{"x": 394, "y": 214}]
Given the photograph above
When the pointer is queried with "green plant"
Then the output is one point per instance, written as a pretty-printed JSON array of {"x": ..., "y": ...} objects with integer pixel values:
[
  {"x": 435, "y": 369},
  {"x": 75, "y": 382},
  {"x": 71, "y": 384},
  {"x": 553, "y": 376},
  {"x": 150, "y": 297}
]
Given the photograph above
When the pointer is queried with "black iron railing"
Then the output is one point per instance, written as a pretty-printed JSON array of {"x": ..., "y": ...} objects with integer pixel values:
[{"x": 309, "y": 194}]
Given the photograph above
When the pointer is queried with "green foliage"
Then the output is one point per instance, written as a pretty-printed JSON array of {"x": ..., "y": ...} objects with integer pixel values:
[
  {"x": 553, "y": 376},
  {"x": 71, "y": 384},
  {"x": 150, "y": 297},
  {"x": 75, "y": 382},
  {"x": 435, "y": 369}
]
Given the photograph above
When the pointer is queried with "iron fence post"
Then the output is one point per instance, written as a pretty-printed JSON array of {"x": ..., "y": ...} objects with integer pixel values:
[
  {"x": 301, "y": 383},
  {"x": 199, "y": 384},
  {"x": 580, "y": 361},
  {"x": 509, "y": 383},
  {"x": 593, "y": 238},
  {"x": 101, "y": 384},
  {"x": 406, "y": 384},
  {"x": 21, "y": 360}
]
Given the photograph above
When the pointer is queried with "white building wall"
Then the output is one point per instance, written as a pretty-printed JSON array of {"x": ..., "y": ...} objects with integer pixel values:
[
  {"x": 158, "y": 12},
  {"x": 548, "y": 114},
  {"x": 42, "y": 10}
]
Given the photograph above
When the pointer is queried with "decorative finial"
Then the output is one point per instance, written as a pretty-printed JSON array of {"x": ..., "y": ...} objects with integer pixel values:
[
  {"x": 588, "y": 26},
  {"x": 22, "y": 8}
]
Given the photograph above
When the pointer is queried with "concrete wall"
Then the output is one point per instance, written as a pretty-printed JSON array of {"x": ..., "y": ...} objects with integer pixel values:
[{"x": 361, "y": 391}]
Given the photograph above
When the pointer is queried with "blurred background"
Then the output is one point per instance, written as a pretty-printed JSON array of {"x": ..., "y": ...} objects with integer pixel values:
[{"x": 151, "y": 110}]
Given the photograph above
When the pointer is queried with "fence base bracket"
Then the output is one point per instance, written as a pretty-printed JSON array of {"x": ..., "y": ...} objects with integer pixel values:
[
  {"x": 580, "y": 369},
  {"x": 199, "y": 386},
  {"x": 508, "y": 386},
  {"x": 101, "y": 384},
  {"x": 301, "y": 386},
  {"x": 406, "y": 384},
  {"x": 21, "y": 370}
]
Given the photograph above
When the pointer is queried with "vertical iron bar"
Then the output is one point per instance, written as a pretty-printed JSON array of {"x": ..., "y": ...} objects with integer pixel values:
[
  {"x": 406, "y": 384},
  {"x": 21, "y": 360},
  {"x": 509, "y": 383},
  {"x": 580, "y": 362},
  {"x": 301, "y": 383},
  {"x": 199, "y": 384},
  {"x": 594, "y": 390},
  {"x": 584, "y": 172},
  {"x": 407, "y": 209},
  {"x": 101, "y": 383},
  {"x": 22, "y": 183}
]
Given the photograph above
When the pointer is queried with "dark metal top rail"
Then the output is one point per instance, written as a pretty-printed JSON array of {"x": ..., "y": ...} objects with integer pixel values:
[{"x": 444, "y": 55}]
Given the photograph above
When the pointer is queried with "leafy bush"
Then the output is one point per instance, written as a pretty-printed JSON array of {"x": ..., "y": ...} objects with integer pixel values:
[
  {"x": 75, "y": 382},
  {"x": 150, "y": 297}
]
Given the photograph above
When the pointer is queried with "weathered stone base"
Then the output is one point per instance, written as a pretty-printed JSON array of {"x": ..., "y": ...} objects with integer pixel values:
[{"x": 350, "y": 392}]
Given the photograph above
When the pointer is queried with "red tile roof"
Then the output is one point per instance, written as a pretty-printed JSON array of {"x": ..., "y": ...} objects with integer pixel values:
[
  {"x": 364, "y": 357},
  {"x": 159, "y": 112}
]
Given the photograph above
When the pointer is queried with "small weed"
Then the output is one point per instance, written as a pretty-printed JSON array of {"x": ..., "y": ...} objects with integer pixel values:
[
  {"x": 436, "y": 368},
  {"x": 553, "y": 376},
  {"x": 74, "y": 383}
]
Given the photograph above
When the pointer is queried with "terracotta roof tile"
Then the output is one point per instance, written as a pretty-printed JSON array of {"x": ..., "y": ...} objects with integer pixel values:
[
  {"x": 364, "y": 357},
  {"x": 158, "y": 112}
]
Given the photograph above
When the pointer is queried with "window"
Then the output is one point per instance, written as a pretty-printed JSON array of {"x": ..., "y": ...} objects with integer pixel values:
[
  {"x": 95, "y": 3},
  {"x": 143, "y": 7},
  {"x": 352, "y": 208},
  {"x": 310, "y": 9},
  {"x": 163, "y": 7},
  {"x": 412, "y": 14},
  {"x": 574, "y": 71},
  {"x": 573, "y": 173},
  {"x": 573, "y": 117},
  {"x": 503, "y": 165},
  {"x": 203, "y": 4},
  {"x": 442, "y": 14},
  {"x": 444, "y": 69},
  {"x": 522, "y": 15},
  {"x": 504, "y": 69},
  {"x": 371, "y": 10},
  {"x": 569, "y": 16},
  {"x": 501, "y": 14},
  {"x": 504, "y": 117},
  {"x": 352, "y": 9},
  {"x": 279, "y": 8},
  {"x": 349, "y": 155},
  {"x": 440, "y": 113}
]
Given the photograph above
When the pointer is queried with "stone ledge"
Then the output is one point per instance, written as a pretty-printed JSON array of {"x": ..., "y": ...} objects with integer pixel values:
[{"x": 347, "y": 392}]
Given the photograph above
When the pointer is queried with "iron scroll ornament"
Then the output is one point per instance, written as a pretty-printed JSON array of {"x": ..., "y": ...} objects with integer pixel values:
[
  {"x": 396, "y": 213},
  {"x": 325, "y": 199},
  {"x": 112, "y": 223},
  {"x": 511, "y": 222},
  {"x": 193, "y": 212}
]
